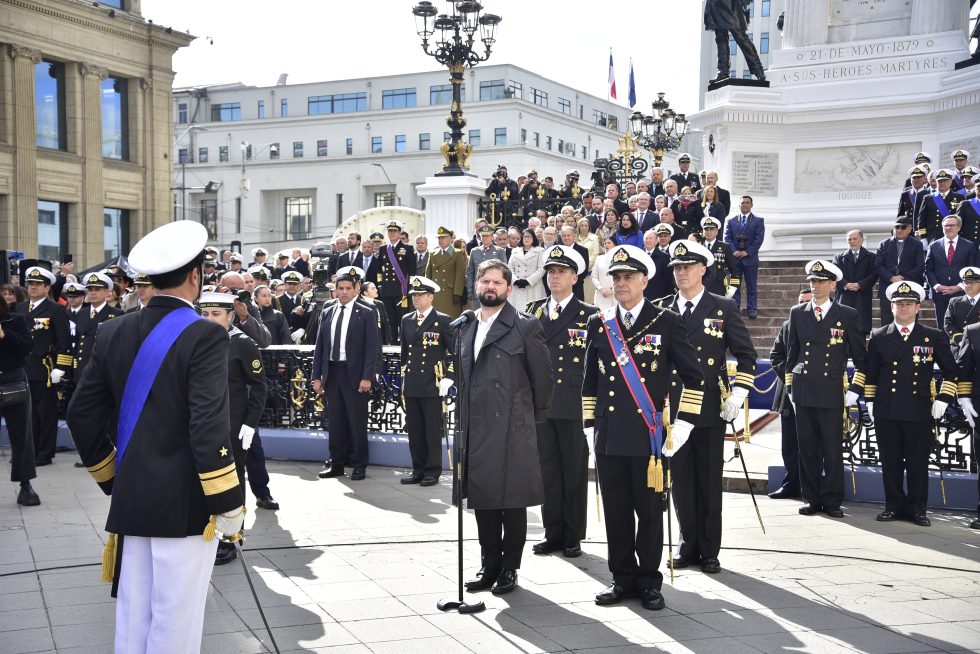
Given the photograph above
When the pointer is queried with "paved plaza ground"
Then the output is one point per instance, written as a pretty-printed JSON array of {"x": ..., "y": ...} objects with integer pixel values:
[{"x": 359, "y": 566}]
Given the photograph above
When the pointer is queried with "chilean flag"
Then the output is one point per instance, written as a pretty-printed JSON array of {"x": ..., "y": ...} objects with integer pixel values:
[{"x": 612, "y": 77}]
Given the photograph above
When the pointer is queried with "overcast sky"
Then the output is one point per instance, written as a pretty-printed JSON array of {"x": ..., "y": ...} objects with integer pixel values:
[{"x": 315, "y": 40}]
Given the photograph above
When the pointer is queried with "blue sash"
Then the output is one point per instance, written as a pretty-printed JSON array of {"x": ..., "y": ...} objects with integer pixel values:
[
  {"x": 975, "y": 203},
  {"x": 144, "y": 371},
  {"x": 940, "y": 204},
  {"x": 398, "y": 270},
  {"x": 627, "y": 367}
]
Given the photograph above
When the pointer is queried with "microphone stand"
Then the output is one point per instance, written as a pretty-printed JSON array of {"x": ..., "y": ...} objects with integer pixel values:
[{"x": 457, "y": 465}]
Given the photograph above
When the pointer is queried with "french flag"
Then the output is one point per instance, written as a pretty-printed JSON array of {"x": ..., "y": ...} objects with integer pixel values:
[{"x": 612, "y": 77}]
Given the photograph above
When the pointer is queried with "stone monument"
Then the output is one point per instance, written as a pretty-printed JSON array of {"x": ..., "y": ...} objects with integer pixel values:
[{"x": 857, "y": 89}]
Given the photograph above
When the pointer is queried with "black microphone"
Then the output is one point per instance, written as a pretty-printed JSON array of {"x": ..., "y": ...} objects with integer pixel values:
[{"x": 467, "y": 316}]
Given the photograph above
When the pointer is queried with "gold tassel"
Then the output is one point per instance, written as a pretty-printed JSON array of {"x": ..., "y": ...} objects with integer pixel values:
[
  {"x": 747, "y": 434},
  {"x": 655, "y": 474},
  {"x": 209, "y": 529},
  {"x": 109, "y": 559}
]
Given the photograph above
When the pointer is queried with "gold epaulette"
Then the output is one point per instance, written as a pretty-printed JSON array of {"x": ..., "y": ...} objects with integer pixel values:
[
  {"x": 105, "y": 469},
  {"x": 588, "y": 408},
  {"x": 218, "y": 481}
]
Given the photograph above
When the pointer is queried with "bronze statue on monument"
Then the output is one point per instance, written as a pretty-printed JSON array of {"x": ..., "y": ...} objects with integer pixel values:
[{"x": 726, "y": 17}]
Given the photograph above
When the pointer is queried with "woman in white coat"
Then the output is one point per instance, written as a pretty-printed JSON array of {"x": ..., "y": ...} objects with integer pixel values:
[
  {"x": 525, "y": 264},
  {"x": 604, "y": 296}
]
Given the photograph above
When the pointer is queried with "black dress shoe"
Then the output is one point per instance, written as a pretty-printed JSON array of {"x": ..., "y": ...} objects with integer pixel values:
[
  {"x": 784, "y": 493},
  {"x": 711, "y": 566},
  {"x": 506, "y": 582},
  {"x": 651, "y": 599},
  {"x": 358, "y": 473},
  {"x": 79, "y": 464},
  {"x": 809, "y": 509},
  {"x": 835, "y": 512},
  {"x": 39, "y": 462},
  {"x": 975, "y": 524},
  {"x": 680, "y": 561},
  {"x": 334, "y": 471},
  {"x": 428, "y": 481},
  {"x": 27, "y": 496},
  {"x": 753, "y": 315},
  {"x": 886, "y": 516},
  {"x": 612, "y": 595},
  {"x": 411, "y": 479},
  {"x": 267, "y": 503},
  {"x": 482, "y": 581},
  {"x": 921, "y": 520},
  {"x": 572, "y": 551},
  {"x": 545, "y": 547},
  {"x": 225, "y": 554}
]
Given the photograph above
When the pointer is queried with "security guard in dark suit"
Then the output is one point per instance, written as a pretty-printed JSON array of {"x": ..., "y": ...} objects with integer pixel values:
[
  {"x": 963, "y": 310},
  {"x": 393, "y": 293},
  {"x": 246, "y": 391},
  {"x": 562, "y": 446},
  {"x": 686, "y": 177},
  {"x": 636, "y": 340},
  {"x": 49, "y": 360},
  {"x": 722, "y": 276},
  {"x": 823, "y": 335},
  {"x": 427, "y": 374},
  {"x": 714, "y": 328},
  {"x": 901, "y": 356},
  {"x": 97, "y": 286},
  {"x": 968, "y": 389}
]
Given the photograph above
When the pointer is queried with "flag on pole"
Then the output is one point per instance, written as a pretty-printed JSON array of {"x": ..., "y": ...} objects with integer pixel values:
[
  {"x": 612, "y": 77},
  {"x": 632, "y": 86}
]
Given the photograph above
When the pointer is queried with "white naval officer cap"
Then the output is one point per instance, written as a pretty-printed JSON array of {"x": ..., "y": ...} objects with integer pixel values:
[
  {"x": 563, "y": 255},
  {"x": 213, "y": 300},
  {"x": 169, "y": 247},
  {"x": 631, "y": 258},
  {"x": 684, "y": 253},
  {"x": 39, "y": 274},
  {"x": 823, "y": 269},
  {"x": 905, "y": 290},
  {"x": 419, "y": 285}
]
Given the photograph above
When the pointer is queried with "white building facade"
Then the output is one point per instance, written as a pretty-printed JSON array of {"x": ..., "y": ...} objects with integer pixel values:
[{"x": 319, "y": 153}]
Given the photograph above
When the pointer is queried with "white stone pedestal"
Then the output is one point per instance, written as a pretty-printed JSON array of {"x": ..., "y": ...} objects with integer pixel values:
[
  {"x": 451, "y": 202},
  {"x": 828, "y": 146}
]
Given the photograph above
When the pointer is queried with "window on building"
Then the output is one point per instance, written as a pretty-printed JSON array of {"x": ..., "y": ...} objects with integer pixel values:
[
  {"x": 273, "y": 150},
  {"x": 547, "y": 142},
  {"x": 731, "y": 73},
  {"x": 223, "y": 153},
  {"x": 500, "y": 136},
  {"x": 350, "y": 146},
  {"x": 539, "y": 97},
  {"x": 565, "y": 106},
  {"x": 443, "y": 93},
  {"x": 397, "y": 98},
  {"x": 209, "y": 216},
  {"x": 561, "y": 145},
  {"x": 118, "y": 4},
  {"x": 321, "y": 148},
  {"x": 766, "y": 8},
  {"x": 492, "y": 89},
  {"x": 299, "y": 217},
  {"x": 297, "y": 149},
  {"x": 585, "y": 152},
  {"x": 537, "y": 140},
  {"x": 261, "y": 110},
  {"x": 750, "y": 8},
  {"x": 248, "y": 152},
  {"x": 226, "y": 111},
  {"x": 474, "y": 137},
  {"x": 376, "y": 146},
  {"x": 52, "y": 230},
  {"x": 516, "y": 89},
  {"x": 384, "y": 199},
  {"x": 339, "y": 103},
  {"x": 182, "y": 113},
  {"x": 764, "y": 43},
  {"x": 49, "y": 105},
  {"x": 202, "y": 155},
  {"x": 600, "y": 118},
  {"x": 446, "y": 137},
  {"x": 731, "y": 46},
  {"x": 399, "y": 143},
  {"x": 425, "y": 141},
  {"x": 115, "y": 118},
  {"x": 523, "y": 136},
  {"x": 115, "y": 232},
  {"x": 182, "y": 157},
  {"x": 283, "y": 108}
]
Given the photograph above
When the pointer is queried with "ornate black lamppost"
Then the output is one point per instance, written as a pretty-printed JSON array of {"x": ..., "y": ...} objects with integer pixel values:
[
  {"x": 453, "y": 47},
  {"x": 661, "y": 132}
]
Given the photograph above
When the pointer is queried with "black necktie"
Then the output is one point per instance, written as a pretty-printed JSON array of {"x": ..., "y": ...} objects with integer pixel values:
[
  {"x": 688, "y": 307},
  {"x": 557, "y": 310},
  {"x": 335, "y": 350}
]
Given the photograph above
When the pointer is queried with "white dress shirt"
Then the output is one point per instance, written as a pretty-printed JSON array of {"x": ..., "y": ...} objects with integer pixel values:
[
  {"x": 482, "y": 327},
  {"x": 348, "y": 310},
  {"x": 824, "y": 308},
  {"x": 553, "y": 304},
  {"x": 682, "y": 302},
  {"x": 634, "y": 312}
]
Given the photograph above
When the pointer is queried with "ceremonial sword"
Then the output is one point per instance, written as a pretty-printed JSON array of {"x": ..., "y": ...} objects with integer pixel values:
[
  {"x": 237, "y": 540},
  {"x": 738, "y": 455}
]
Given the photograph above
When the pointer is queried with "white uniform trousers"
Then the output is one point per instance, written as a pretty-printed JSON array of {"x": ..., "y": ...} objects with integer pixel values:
[{"x": 163, "y": 586}]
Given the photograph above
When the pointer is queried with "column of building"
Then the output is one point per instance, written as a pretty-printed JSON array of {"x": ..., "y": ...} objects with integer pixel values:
[
  {"x": 805, "y": 23},
  {"x": 86, "y": 235},
  {"x": 23, "y": 228},
  {"x": 934, "y": 16}
]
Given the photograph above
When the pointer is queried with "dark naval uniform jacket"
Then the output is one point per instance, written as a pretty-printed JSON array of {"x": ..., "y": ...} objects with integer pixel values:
[
  {"x": 723, "y": 272},
  {"x": 968, "y": 362},
  {"x": 714, "y": 329},
  {"x": 607, "y": 403},
  {"x": 690, "y": 178},
  {"x": 247, "y": 390},
  {"x": 565, "y": 337},
  {"x": 960, "y": 314},
  {"x": 969, "y": 213},
  {"x": 930, "y": 220},
  {"x": 908, "y": 205},
  {"x": 49, "y": 328},
  {"x": 178, "y": 469},
  {"x": 387, "y": 279},
  {"x": 899, "y": 377},
  {"x": 86, "y": 328},
  {"x": 817, "y": 354},
  {"x": 427, "y": 353}
]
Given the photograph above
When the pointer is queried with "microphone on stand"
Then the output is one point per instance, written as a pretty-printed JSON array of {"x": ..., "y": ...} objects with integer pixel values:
[{"x": 467, "y": 316}]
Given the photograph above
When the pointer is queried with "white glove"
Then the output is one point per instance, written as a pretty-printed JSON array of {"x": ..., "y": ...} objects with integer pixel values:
[
  {"x": 850, "y": 398},
  {"x": 245, "y": 436},
  {"x": 589, "y": 433},
  {"x": 730, "y": 291},
  {"x": 938, "y": 409},
  {"x": 231, "y": 523},
  {"x": 444, "y": 386},
  {"x": 56, "y": 375},
  {"x": 967, "y": 405},
  {"x": 734, "y": 403},
  {"x": 298, "y": 335},
  {"x": 679, "y": 433}
]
